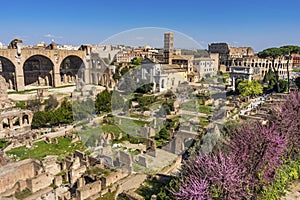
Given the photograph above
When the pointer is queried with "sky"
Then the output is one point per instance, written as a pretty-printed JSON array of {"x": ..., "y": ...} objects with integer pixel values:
[{"x": 257, "y": 23}]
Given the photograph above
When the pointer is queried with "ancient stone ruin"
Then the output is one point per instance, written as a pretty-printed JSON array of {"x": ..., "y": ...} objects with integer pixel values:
[{"x": 12, "y": 121}]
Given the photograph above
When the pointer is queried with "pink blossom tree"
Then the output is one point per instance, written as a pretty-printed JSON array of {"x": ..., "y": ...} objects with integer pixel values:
[{"x": 212, "y": 176}]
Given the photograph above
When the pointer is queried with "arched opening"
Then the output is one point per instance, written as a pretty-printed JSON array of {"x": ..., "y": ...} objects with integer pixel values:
[
  {"x": 5, "y": 123},
  {"x": 162, "y": 83},
  {"x": 38, "y": 71},
  {"x": 98, "y": 78},
  {"x": 16, "y": 121},
  {"x": 70, "y": 69},
  {"x": 8, "y": 72},
  {"x": 25, "y": 119}
]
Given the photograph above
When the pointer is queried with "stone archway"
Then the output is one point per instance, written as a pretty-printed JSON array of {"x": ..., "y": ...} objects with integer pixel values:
[
  {"x": 38, "y": 71},
  {"x": 70, "y": 69},
  {"x": 8, "y": 72},
  {"x": 26, "y": 120}
]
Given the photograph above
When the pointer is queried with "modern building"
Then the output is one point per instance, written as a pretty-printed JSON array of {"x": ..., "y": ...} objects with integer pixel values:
[
  {"x": 205, "y": 67},
  {"x": 296, "y": 59}
]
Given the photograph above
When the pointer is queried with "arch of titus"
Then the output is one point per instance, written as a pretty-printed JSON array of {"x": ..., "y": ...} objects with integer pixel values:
[{"x": 46, "y": 66}]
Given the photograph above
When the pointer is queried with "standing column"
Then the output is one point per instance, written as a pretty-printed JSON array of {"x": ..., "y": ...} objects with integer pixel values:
[
  {"x": 233, "y": 83},
  {"x": 11, "y": 126},
  {"x": 56, "y": 75},
  {"x": 20, "y": 84},
  {"x": 21, "y": 120}
]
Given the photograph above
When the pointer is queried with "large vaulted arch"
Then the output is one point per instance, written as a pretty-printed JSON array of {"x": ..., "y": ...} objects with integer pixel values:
[
  {"x": 8, "y": 72},
  {"x": 71, "y": 68},
  {"x": 38, "y": 71}
]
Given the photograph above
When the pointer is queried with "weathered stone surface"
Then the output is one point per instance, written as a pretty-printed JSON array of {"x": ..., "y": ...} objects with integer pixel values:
[{"x": 3, "y": 89}]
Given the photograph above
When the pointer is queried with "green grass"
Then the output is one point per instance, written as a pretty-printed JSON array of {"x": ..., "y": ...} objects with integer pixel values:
[
  {"x": 296, "y": 69},
  {"x": 108, "y": 196},
  {"x": 23, "y": 194},
  {"x": 134, "y": 115},
  {"x": 41, "y": 149},
  {"x": 3, "y": 144},
  {"x": 189, "y": 105},
  {"x": 205, "y": 109},
  {"x": 110, "y": 128},
  {"x": 98, "y": 171},
  {"x": 148, "y": 188},
  {"x": 90, "y": 135},
  {"x": 203, "y": 121},
  {"x": 130, "y": 126}
]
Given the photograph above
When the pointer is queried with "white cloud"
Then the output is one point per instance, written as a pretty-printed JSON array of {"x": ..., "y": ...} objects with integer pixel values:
[{"x": 52, "y": 36}]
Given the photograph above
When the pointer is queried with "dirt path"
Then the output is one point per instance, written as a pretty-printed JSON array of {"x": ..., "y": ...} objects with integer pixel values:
[
  {"x": 132, "y": 182},
  {"x": 293, "y": 193}
]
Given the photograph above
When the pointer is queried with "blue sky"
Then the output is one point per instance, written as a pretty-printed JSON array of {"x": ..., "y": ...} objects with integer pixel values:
[{"x": 257, "y": 23}]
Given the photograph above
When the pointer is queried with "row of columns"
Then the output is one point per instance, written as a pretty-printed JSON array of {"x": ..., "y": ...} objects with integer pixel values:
[{"x": 20, "y": 80}]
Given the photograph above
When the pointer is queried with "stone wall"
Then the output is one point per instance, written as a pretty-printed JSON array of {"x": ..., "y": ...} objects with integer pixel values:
[
  {"x": 88, "y": 190},
  {"x": 112, "y": 178},
  {"x": 50, "y": 165},
  {"x": 13, "y": 173},
  {"x": 39, "y": 182}
]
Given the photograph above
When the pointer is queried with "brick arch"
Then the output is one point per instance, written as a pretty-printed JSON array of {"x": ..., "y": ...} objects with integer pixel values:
[
  {"x": 71, "y": 68},
  {"x": 8, "y": 69},
  {"x": 38, "y": 69}
]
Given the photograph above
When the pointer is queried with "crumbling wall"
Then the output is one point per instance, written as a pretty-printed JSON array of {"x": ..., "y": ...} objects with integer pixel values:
[
  {"x": 39, "y": 182},
  {"x": 88, "y": 190},
  {"x": 12, "y": 173},
  {"x": 113, "y": 177}
]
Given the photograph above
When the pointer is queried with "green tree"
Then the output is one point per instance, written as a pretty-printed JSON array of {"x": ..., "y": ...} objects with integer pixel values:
[
  {"x": 163, "y": 134},
  {"x": 145, "y": 100},
  {"x": 270, "y": 79},
  {"x": 124, "y": 71},
  {"x": 40, "y": 119},
  {"x": 250, "y": 88},
  {"x": 283, "y": 85},
  {"x": 64, "y": 114},
  {"x": 137, "y": 60},
  {"x": 146, "y": 88},
  {"x": 274, "y": 53},
  {"x": 103, "y": 102}
]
